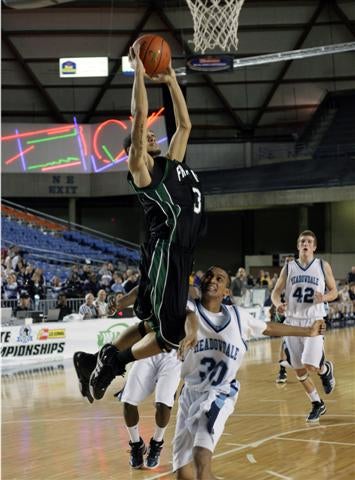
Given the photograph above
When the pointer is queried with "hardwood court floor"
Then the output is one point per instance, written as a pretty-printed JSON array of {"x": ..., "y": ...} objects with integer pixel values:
[{"x": 50, "y": 433}]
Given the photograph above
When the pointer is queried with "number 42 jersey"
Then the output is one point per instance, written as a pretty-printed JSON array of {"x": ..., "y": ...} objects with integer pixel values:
[
  {"x": 301, "y": 285},
  {"x": 221, "y": 345}
]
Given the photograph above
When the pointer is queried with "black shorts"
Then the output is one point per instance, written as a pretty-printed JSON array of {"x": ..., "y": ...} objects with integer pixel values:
[{"x": 163, "y": 288}]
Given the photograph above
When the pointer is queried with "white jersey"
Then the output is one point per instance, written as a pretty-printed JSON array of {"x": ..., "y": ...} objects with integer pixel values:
[
  {"x": 301, "y": 284},
  {"x": 221, "y": 345}
]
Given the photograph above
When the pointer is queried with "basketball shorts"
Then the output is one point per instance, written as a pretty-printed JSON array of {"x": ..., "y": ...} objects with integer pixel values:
[
  {"x": 192, "y": 424},
  {"x": 304, "y": 350},
  {"x": 160, "y": 373},
  {"x": 163, "y": 289}
]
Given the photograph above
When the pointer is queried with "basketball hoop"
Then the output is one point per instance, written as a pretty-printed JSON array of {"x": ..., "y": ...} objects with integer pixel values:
[{"x": 215, "y": 23}]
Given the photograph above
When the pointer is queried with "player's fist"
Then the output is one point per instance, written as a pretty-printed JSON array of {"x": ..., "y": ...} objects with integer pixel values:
[
  {"x": 318, "y": 328},
  {"x": 318, "y": 297},
  {"x": 281, "y": 309}
]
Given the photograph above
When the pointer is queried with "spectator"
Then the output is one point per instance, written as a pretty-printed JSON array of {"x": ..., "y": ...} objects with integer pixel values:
[
  {"x": 100, "y": 304},
  {"x": 10, "y": 287},
  {"x": 56, "y": 287},
  {"x": 74, "y": 285},
  {"x": 91, "y": 285},
  {"x": 117, "y": 286},
  {"x": 238, "y": 286},
  {"x": 24, "y": 303},
  {"x": 352, "y": 291},
  {"x": 351, "y": 276},
  {"x": 64, "y": 309},
  {"x": 131, "y": 282},
  {"x": 35, "y": 286},
  {"x": 88, "y": 309}
]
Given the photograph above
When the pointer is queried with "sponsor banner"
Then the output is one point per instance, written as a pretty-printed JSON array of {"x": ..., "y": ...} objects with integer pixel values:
[
  {"x": 83, "y": 67},
  {"x": 58, "y": 340}
]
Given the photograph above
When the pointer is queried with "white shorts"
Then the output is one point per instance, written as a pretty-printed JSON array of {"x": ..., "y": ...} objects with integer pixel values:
[
  {"x": 304, "y": 350},
  {"x": 191, "y": 424},
  {"x": 160, "y": 373}
]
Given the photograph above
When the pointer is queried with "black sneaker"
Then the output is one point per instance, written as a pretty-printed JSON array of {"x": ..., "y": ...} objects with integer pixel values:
[
  {"x": 328, "y": 380},
  {"x": 318, "y": 409},
  {"x": 153, "y": 457},
  {"x": 137, "y": 452},
  {"x": 107, "y": 368},
  {"x": 282, "y": 376},
  {"x": 84, "y": 364}
]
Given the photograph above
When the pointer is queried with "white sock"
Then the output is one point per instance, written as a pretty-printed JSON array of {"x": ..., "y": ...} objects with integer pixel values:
[
  {"x": 324, "y": 369},
  {"x": 159, "y": 433},
  {"x": 133, "y": 433},
  {"x": 313, "y": 396}
]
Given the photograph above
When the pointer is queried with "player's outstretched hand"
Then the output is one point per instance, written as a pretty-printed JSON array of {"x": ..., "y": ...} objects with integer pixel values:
[
  {"x": 134, "y": 58},
  {"x": 165, "y": 77},
  {"x": 318, "y": 328},
  {"x": 187, "y": 343}
]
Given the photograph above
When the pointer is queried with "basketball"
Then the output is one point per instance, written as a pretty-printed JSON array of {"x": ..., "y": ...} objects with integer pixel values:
[{"x": 154, "y": 52}]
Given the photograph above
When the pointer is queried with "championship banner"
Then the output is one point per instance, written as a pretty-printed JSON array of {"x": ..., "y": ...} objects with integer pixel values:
[{"x": 56, "y": 341}]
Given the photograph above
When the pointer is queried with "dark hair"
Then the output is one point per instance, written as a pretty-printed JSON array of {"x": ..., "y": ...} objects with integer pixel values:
[
  {"x": 127, "y": 142},
  {"x": 229, "y": 280}
]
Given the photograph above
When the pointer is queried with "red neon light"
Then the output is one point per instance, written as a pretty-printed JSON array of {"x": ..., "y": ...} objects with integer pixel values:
[
  {"x": 60, "y": 130},
  {"x": 98, "y": 130},
  {"x": 55, "y": 167},
  {"x": 12, "y": 159},
  {"x": 35, "y": 132}
]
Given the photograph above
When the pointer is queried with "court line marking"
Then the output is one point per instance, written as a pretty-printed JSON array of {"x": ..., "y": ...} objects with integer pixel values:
[
  {"x": 278, "y": 475},
  {"x": 260, "y": 442},
  {"x": 317, "y": 441},
  {"x": 251, "y": 458},
  {"x": 120, "y": 417},
  {"x": 236, "y": 444}
]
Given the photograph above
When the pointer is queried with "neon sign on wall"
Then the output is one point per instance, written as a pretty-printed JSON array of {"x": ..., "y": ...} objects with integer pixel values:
[{"x": 71, "y": 148}]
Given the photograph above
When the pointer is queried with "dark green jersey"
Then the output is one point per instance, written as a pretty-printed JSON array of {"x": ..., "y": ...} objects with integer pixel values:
[{"x": 173, "y": 203}]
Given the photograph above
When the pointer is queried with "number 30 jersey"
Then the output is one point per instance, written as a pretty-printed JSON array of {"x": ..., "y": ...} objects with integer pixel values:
[
  {"x": 221, "y": 345},
  {"x": 301, "y": 285}
]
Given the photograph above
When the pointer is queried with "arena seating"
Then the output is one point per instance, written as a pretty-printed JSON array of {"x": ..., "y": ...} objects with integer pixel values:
[{"x": 53, "y": 247}]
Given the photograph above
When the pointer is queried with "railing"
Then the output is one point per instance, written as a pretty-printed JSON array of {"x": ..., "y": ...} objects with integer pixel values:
[{"x": 44, "y": 305}]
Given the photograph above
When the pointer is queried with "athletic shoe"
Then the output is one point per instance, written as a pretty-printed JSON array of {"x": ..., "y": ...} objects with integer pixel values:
[
  {"x": 318, "y": 409},
  {"x": 153, "y": 457},
  {"x": 84, "y": 364},
  {"x": 107, "y": 368},
  {"x": 328, "y": 380},
  {"x": 282, "y": 376},
  {"x": 136, "y": 453}
]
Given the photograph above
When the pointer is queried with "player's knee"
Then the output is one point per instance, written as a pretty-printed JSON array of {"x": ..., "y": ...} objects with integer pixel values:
[
  {"x": 162, "y": 406},
  {"x": 128, "y": 408},
  {"x": 202, "y": 460},
  {"x": 302, "y": 375},
  {"x": 311, "y": 368}
]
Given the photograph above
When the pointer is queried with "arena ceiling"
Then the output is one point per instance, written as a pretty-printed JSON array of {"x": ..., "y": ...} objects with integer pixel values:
[{"x": 272, "y": 101}]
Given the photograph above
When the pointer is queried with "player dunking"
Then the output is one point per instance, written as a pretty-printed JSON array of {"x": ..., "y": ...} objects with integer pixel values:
[
  {"x": 218, "y": 334},
  {"x": 170, "y": 194},
  {"x": 306, "y": 281}
]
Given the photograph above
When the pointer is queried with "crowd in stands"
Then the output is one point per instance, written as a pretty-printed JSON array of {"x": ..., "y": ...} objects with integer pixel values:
[{"x": 24, "y": 284}]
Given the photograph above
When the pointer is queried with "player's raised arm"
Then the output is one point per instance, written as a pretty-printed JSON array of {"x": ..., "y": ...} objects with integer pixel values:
[
  {"x": 178, "y": 144},
  {"x": 137, "y": 162}
]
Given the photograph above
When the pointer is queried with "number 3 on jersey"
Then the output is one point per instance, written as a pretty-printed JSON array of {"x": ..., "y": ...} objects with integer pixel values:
[
  {"x": 197, "y": 200},
  {"x": 304, "y": 296}
]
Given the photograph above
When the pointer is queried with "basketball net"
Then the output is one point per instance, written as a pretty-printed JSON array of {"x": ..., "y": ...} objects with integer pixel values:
[{"x": 215, "y": 23}]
